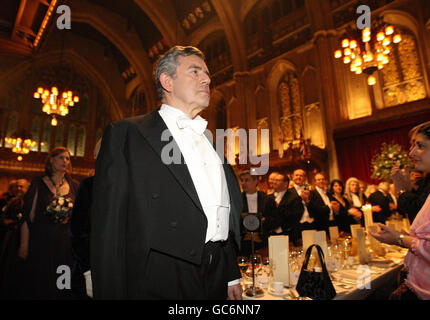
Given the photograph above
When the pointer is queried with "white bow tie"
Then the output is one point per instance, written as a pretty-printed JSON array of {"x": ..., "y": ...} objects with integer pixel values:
[{"x": 198, "y": 124}]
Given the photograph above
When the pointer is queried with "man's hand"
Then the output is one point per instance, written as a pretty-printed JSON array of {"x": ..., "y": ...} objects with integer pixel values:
[
  {"x": 376, "y": 209},
  {"x": 235, "y": 292},
  {"x": 335, "y": 206},
  {"x": 401, "y": 178},
  {"x": 305, "y": 195}
]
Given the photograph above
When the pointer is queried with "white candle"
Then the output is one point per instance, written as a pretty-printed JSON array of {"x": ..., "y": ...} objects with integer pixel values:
[{"x": 368, "y": 217}]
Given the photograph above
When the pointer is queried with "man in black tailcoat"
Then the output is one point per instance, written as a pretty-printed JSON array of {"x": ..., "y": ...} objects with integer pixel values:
[{"x": 166, "y": 208}]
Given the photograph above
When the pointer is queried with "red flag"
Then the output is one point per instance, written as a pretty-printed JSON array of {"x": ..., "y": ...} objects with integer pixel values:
[{"x": 302, "y": 145}]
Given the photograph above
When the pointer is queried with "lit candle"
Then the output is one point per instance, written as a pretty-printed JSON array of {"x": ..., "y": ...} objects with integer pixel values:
[{"x": 368, "y": 217}]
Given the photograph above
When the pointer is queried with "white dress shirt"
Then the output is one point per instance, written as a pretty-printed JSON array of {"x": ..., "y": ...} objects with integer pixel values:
[
  {"x": 278, "y": 196},
  {"x": 305, "y": 217},
  {"x": 326, "y": 200},
  {"x": 356, "y": 202},
  {"x": 252, "y": 200},
  {"x": 206, "y": 171}
]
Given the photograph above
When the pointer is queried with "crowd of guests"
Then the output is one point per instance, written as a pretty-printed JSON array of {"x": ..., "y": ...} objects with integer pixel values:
[
  {"x": 290, "y": 205},
  {"x": 46, "y": 224},
  {"x": 44, "y": 251}
]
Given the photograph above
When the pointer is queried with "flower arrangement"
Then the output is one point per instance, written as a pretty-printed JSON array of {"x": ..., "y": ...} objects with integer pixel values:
[
  {"x": 60, "y": 209},
  {"x": 390, "y": 155}
]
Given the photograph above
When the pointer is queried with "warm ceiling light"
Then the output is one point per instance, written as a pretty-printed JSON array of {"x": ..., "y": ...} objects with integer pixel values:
[
  {"x": 55, "y": 103},
  {"x": 397, "y": 38},
  {"x": 389, "y": 30},
  {"x": 345, "y": 43},
  {"x": 371, "y": 80},
  {"x": 372, "y": 53}
]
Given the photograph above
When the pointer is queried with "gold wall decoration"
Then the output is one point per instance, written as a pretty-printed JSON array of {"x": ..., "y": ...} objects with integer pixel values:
[
  {"x": 290, "y": 107},
  {"x": 403, "y": 76}
]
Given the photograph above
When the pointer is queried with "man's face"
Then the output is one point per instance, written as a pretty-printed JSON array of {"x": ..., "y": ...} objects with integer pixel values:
[
  {"x": 280, "y": 185},
  {"x": 22, "y": 185},
  {"x": 189, "y": 89},
  {"x": 249, "y": 185},
  {"x": 271, "y": 180},
  {"x": 320, "y": 181},
  {"x": 353, "y": 187},
  {"x": 299, "y": 177}
]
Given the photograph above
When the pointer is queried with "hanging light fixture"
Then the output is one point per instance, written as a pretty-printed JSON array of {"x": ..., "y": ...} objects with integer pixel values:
[
  {"x": 54, "y": 103},
  {"x": 21, "y": 144},
  {"x": 368, "y": 52}
]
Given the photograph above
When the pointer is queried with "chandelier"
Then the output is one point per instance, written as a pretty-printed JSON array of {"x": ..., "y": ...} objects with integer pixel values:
[
  {"x": 20, "y": 145},
  {"x": 366, "y": 52},
  {"x": 55, "y": 104}
]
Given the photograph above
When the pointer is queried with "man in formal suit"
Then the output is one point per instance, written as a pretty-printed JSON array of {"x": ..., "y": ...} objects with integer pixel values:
[
  {"x": 166, "y": 208},
  {"x": 381, "y": 198},
  {"x": 411, "y": 195},
  {"x": 308, "y": 218},
  {"x": 320, "y": 203},
  {"x": 287, "y": 208},
  {"x": 256, "y": 203},
  {"x": 271, "y": 180}
]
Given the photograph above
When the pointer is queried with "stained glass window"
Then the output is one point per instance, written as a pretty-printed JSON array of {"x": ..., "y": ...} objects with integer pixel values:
[
  {"x": 80, "y": 146},
  {"x": 403, "y": 77},
  {"x": 71, "y": 139},
  {"x": 35, "y": 133},
  {"x": 12, "y": 127},
  {"x": 45, "y": 144},
  {"x": 290, "y": 107},
  {"x": 59, "y": 135}
]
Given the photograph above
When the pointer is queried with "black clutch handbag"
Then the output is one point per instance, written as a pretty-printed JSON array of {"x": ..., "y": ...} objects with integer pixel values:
[{"x": 312, "y": 284}]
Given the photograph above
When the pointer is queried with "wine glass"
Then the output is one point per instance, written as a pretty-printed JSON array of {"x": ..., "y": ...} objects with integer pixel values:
[
  {"x": 255, "y": 261},
  {"x": 264, "y": 274},
  {"x": 243, "y": 262}
]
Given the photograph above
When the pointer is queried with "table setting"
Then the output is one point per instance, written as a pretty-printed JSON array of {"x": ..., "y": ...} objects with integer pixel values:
[{"x": 355, "y": 265}]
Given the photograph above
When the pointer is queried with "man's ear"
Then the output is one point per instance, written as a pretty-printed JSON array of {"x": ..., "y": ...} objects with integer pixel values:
[{"x": 166, "y": 82}]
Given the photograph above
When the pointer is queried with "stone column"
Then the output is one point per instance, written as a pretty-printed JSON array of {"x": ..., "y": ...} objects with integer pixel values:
[{"x": 321, "y": 22}]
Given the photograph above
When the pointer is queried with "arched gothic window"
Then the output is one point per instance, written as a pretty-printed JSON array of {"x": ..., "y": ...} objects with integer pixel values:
[
  {"x": 402, "y": 77},
  {"x": 290, "y": 107}
]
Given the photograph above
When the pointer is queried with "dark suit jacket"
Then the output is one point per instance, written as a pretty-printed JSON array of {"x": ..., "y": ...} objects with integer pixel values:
[
  {"x": 410, "y": 203},
  {"x": 378, "y": 198},
  {"x": 290, "y": 211},
  {"x": 319, "y": 210},
  {"x": 144, "y": 210},
  {"x": 342, "y": 218},
  {"x": 266, "y": 207},
  {"x": 80, "y": 224}
]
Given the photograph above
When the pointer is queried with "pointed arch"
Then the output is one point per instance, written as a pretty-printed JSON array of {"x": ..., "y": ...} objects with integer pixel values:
[{"x": 280, "y": 68}]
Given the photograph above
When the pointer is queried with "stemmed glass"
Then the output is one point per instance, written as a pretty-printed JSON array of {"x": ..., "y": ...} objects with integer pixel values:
[
  {"x": 243, "y": 262},
  {"x": 255, "y": 260},
  {"x": 255, "y": 263},
  {"x": 265, "y": 273}
]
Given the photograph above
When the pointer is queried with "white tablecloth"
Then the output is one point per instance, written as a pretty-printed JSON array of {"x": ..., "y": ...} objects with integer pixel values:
[{"x": 369, "y": 278}]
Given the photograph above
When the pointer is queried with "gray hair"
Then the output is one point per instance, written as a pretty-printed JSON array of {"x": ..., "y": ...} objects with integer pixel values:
[{"x": 169, "y": 61}]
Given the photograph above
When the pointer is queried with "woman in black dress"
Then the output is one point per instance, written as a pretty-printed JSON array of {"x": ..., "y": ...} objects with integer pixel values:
[
  {"x": 45, "y": 234},
  {"x": 344, "y": 213}
]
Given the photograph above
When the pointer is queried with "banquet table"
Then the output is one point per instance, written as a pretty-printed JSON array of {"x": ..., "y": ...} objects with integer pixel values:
[{"x": 369, "y": 278}]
